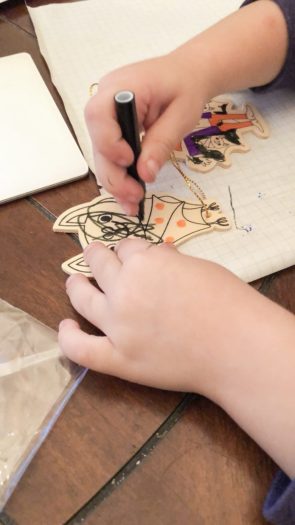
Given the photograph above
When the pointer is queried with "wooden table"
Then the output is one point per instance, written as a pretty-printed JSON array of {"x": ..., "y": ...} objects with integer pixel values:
[{"x": 119, "y": 453}]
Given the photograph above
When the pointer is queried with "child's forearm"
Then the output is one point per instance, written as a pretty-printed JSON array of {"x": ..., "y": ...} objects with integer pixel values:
[
  {"x": 246, "y": 49},
  {"x": 259, "y": 387}
]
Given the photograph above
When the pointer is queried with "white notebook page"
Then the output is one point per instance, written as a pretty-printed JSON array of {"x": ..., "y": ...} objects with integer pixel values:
[{"x": 81, "y": 41}]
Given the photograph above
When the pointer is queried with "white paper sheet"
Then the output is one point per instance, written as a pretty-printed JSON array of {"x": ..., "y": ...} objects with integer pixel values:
[{"x": 81, "y": 41}]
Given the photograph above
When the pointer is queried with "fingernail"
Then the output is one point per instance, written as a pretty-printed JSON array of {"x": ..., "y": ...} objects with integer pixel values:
[
  {"x": 133, "y": 199},
  {"x": 123, "y": 162},
  {"x": 87, "y": 251},
  {"x": 152, "y": 168},
  {"x": 130, "y": 209},
  {"x": 65, "y": 322},
  {"x": 94, "y": 245},
  {"x": 90, "y": 246}
]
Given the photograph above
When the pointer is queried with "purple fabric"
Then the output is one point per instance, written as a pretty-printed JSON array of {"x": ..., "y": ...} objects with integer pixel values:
[
  {"x": 279, "y": 506},
  {"x": 191, "y": 146},
  {"x": 207, "y": 114},
  {"x": 286, "y": 78}
]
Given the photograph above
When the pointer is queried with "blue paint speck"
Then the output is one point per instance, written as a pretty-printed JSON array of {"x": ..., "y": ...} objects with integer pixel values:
[{"x": 247, "y": 228}]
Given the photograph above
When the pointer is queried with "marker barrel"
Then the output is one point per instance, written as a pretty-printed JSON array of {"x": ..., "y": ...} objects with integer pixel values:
[{"x": 127, "y": 119}]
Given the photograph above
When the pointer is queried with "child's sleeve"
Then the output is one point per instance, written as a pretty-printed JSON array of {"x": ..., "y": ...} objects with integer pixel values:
[
  {"x": 279, "y": 506},
  {"x": 286, "y": 77}
]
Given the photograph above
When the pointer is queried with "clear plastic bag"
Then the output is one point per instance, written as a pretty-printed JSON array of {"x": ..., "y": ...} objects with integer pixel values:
[{"x": 36, "y": 382}]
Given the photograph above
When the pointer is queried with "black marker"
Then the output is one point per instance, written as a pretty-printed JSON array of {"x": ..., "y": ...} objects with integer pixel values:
[{"x": 127, "y": 119}]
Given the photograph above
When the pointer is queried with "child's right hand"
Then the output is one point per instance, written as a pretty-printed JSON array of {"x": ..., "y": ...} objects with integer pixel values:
[
  {"x": 171, "y": 92},
  {"x": 169, "y": 99}
]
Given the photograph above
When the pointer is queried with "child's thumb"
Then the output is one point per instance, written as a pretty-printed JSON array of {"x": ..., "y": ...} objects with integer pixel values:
[{"x": 162, "y": 138}]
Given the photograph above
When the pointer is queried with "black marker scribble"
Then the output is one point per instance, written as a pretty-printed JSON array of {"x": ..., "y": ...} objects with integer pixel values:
[
  {"x": 112, "y": 227},
  {"x": 99, "y": 221}
]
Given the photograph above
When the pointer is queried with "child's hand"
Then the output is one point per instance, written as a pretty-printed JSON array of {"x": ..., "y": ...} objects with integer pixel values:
[
  {"x": 176, "y": 322},
  {"x": 170, "y": 320},
  {"x": 169, "y": 100},
  {"x": 171, "y": 92}
]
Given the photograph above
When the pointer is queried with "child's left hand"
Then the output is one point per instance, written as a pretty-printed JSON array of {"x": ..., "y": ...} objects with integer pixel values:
[
  {"x": 181, "y": 323},
  {"x": 167, "y": 316}
]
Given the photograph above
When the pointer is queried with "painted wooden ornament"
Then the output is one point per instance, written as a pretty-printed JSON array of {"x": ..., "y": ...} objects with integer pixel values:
[{"x": 219, "y": 133}]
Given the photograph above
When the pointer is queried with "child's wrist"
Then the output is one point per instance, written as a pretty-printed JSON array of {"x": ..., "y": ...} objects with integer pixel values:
[
  {"x": 258, "y": 389},
  {"x": 258, "y": 355},
  {"x": 258, "y": 337},
  {"x": 192, "y": 61}
]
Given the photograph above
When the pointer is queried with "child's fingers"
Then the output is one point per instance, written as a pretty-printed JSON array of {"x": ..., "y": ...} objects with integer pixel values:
[
  {"x": 116, "y": 181},
  {"x": 128, "y": 247},
  {"x": 87, "y": 300},
  {"x": 95, "y": 352},
  {"x": 162, "y": 137},
  {"x": 104, "y": 264},
  {"x": 105, "y": 131}
]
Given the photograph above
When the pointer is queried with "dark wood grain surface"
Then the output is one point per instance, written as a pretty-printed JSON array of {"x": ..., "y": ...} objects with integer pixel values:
[{"x": 119, "y": 453}]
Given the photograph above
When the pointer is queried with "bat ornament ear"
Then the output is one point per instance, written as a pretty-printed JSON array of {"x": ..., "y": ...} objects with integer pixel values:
[
  {"x": 76, "y": 264},
  {"x": 71, "y": 219}
]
